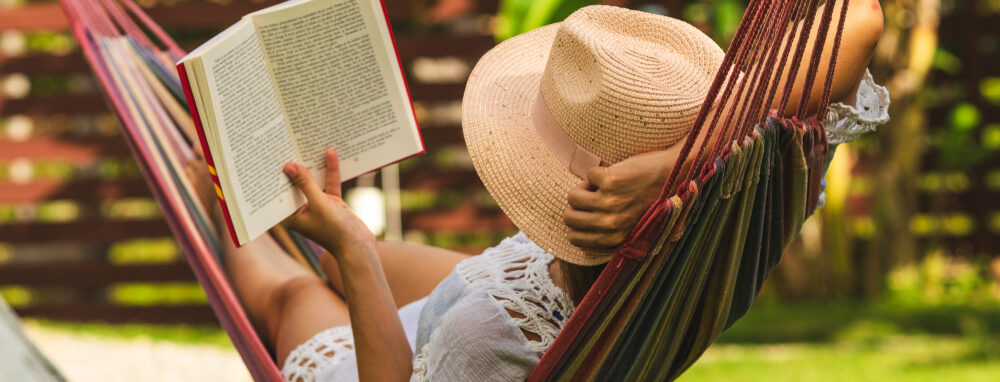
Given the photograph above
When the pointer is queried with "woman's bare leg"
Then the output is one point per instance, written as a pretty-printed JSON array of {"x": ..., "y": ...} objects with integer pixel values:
[
  {"x": 412, "y": 270},
  {"x": 287, "y": 303}
]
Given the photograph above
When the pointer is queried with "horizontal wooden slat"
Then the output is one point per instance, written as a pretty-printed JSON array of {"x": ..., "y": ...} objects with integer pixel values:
[
  {"x": 85, "y": 231},
  {"x": 430, "y": 178},
  {"x": 84, "y": 190},
  {"x": 90, "y": 274},
  {"x": 173, "y": 314},
  {"x": 36, "y": 64},
  {"x": 460, "y": 219},
  {"x": 410, "y": 46},
  {"x": 73, "y": 149},
  {"x": 437, "y": 136},
  {"x": 34, "y": 16},
  {"x": 436, "y": 92},
  {"x": 64, "y": 104}
]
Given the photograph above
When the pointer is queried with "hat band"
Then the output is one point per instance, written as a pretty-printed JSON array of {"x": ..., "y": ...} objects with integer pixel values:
[{"x": 576, "y": 158}]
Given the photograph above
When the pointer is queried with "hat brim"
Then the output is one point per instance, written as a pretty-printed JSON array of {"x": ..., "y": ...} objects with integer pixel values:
[{"x": 527, "y": 181}]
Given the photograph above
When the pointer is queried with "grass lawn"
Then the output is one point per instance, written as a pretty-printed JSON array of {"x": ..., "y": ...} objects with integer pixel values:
[
  {"x": 901, "y": 358},
  {"x": 179, "y": 334},
  {"x": 856, "y": 343},
  {"x": 829, "y": 342}
]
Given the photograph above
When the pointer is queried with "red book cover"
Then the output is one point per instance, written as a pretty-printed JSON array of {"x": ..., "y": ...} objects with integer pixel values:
[
  {"x": 204, "y": 147},
  {"x": 402, "y": 72}
]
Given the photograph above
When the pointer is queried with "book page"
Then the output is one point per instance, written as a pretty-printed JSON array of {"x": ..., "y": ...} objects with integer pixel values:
[
  {"x": 339, "y": 83},
  {"x": 252, "y": 132}
]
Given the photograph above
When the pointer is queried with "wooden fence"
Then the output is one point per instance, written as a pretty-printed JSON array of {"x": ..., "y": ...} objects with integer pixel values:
[{"x": 81, "y": 238}]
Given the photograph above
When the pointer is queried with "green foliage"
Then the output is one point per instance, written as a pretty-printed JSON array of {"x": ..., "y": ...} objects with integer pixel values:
[
  {"x": 58, "y": 43},
  {"x": 718, "y": 18},
  {"x": 16, "y": 295},
  {"x": 464, "y": 240},
  {"x": 956, "y": 142},
  {"x": 941, "y": 281},
  {"x": 989, "y": 88},
  {"x": 965, "y": 117},
  {"x": 727, "y": 15},
  {"x": 947, "y": 62},
  {"x": 519, "y": 16},
  {"x": 990, "y": 137},
  {"x": 146, "y": 294},
  {"x": 144, "y": 251}
]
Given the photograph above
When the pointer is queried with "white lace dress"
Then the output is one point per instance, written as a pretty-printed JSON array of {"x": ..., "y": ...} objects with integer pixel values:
[
  {"x": 475, "y": 326},
  {"x": 845, "y": 123}
]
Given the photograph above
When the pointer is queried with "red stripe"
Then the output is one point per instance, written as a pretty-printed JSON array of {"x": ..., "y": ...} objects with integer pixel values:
[
  {"x": 402, "y": 73},
  {"x": 204, "y": 147}
]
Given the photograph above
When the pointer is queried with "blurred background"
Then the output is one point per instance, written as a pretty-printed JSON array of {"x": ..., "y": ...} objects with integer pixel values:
[{"x": 897, "y": 278}]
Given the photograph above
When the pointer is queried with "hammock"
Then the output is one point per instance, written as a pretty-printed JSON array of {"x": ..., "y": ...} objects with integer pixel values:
[
  {"x": 691, "y": 267},
  {"x": 699, "y": 256}
]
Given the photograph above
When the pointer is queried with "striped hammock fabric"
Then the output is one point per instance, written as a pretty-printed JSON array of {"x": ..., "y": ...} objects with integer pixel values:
[{"x": 692, "y": 266}]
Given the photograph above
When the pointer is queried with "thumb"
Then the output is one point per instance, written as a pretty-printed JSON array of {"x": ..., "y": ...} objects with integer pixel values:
[
  {"x": 303, "y": 180},
  {"x": 332, "y": 174}
]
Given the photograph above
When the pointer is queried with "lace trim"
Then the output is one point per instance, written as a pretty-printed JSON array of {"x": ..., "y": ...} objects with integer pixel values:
[
  {"x": 324, "y": 349},
  {"x": 516, "y": 274},
  {"x": 845, "y": 123},
  {"x": 420, "y": 365}
]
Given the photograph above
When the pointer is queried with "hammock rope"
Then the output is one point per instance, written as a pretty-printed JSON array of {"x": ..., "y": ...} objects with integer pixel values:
[{"x": 691, "y": 267}]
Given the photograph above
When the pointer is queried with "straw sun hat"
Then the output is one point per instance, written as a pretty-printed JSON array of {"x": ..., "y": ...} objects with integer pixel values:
[{"x": 605, "y": 84}]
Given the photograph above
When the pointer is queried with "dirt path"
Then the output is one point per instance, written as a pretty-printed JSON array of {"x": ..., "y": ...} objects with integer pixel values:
[{"x": 83, "y": 358}]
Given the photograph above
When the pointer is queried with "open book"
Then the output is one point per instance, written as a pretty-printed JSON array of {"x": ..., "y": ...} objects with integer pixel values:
[{"x": 287, "y": 83}]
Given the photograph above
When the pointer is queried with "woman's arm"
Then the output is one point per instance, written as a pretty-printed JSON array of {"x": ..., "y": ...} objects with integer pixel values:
[
  {"x": 380, "y": 343},
  {"x": 604, "y": 208},
  {"x": 412, "y": 270}
]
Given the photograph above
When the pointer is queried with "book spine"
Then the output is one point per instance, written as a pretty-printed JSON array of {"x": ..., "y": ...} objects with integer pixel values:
[
  {"x": 208, "y": 154},
  {"x": 402, "y": 73}
]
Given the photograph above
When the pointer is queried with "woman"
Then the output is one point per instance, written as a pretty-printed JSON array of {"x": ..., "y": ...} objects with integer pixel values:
[{"x": 537, "y": 131}]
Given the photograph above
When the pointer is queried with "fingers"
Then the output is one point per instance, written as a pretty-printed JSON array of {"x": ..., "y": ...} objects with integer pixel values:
[
  {"x": 582, "y": 198},
  {"x": 589, "y": 221},
  {"x": 596, "y": 240},
  {"x": 303, "y": 180},
  {"x": 602, "y": 177},
  {"x": 332, "y": 181}
]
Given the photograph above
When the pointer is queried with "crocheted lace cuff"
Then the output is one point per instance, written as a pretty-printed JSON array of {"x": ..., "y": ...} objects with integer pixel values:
[
  {"x": 323, "y": 350},
  {"x": 845, "y": 123}
]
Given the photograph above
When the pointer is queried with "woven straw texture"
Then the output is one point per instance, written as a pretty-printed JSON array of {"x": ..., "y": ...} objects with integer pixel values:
[{"x": 618, "y": 82}]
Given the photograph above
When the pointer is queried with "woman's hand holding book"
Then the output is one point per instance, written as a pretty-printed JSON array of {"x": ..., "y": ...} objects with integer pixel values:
[
  {"x": 382, "y": 350},
  {"x": 325, "y": 218}
]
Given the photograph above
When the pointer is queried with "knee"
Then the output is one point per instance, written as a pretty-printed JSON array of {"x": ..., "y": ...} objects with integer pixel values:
[
  {"x": 294, "y": 291},
  {"x": 287, "y": 295}
]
